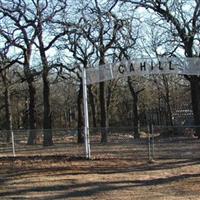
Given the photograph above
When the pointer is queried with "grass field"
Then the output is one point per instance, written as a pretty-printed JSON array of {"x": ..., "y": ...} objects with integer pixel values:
[{"x": 117, "y": 171}]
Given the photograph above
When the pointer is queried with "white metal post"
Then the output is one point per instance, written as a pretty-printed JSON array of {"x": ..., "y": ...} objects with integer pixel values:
[
  {"x": 12, "y": 134},
  {"x": 86, "y": 116}
]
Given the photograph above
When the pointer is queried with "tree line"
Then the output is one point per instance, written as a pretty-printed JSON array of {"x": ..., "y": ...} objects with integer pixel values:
[{"x": 45, "y": 44}]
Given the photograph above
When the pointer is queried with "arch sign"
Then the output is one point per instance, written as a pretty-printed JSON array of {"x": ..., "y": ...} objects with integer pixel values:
[{"x": 138, "y": 67}]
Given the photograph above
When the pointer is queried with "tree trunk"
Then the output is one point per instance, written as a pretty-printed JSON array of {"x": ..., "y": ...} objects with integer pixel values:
[
  {"x": 195, "y": 95},
  {"x": 102, "y": 100},
  {"x": 93, "y": 109},
  {"x": 169, "y": 115},
  {"x": 80, "y": 116},
  {"x": 47, "y": 141},
  {"x": 7, "y": 102},
  {"x": 47, "y": 125},
  {"x": 8, "y": 124},
  {"x": 136, "y": 117},
  {"x": 103, "y": 113},
  {"x": 135, "y": 109},
  {"x": 31, "y": 115},
  {"x": 169, "y": 121}
]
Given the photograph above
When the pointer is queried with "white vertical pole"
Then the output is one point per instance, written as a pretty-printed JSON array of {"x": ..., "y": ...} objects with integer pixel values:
[
  {"x": 12, "y": 133},
  {"x": 86, "y": 116},
  {"x": 111, "y": 71}
]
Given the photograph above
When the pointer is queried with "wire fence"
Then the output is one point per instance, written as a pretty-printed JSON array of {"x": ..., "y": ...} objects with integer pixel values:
[
  {"x": 155, "y": 143},
  {"x": 175, "y": 142},
  {"x": 64, "y": 142},
  {"x": 120, "y": 143}
]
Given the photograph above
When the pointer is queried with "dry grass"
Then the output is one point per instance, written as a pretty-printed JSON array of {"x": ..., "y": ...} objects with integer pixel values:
[{"x": 116, "y": 172}]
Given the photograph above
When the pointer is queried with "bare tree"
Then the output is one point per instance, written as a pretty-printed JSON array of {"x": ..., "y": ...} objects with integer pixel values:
[
  {"x": 5, "y": 65},
  {"x": 82, "y": 51},
  {"x": 184, "y": 27},
  {"x": 125, "y": 48},
  {"x": 49, "y": 15},
  {"x": 100, "y": 25},
  {"x": 16, "y": 29}
]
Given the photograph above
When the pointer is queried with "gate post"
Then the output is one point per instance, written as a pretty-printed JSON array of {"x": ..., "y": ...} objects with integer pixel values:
[{"x": 86, "y": 116}]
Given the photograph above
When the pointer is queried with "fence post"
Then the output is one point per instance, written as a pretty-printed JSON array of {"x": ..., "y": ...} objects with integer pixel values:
[{"x": 13, "y": 143}]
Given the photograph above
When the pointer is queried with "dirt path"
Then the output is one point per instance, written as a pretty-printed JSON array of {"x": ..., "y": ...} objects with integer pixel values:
[{"x": 62, "y": 178}]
